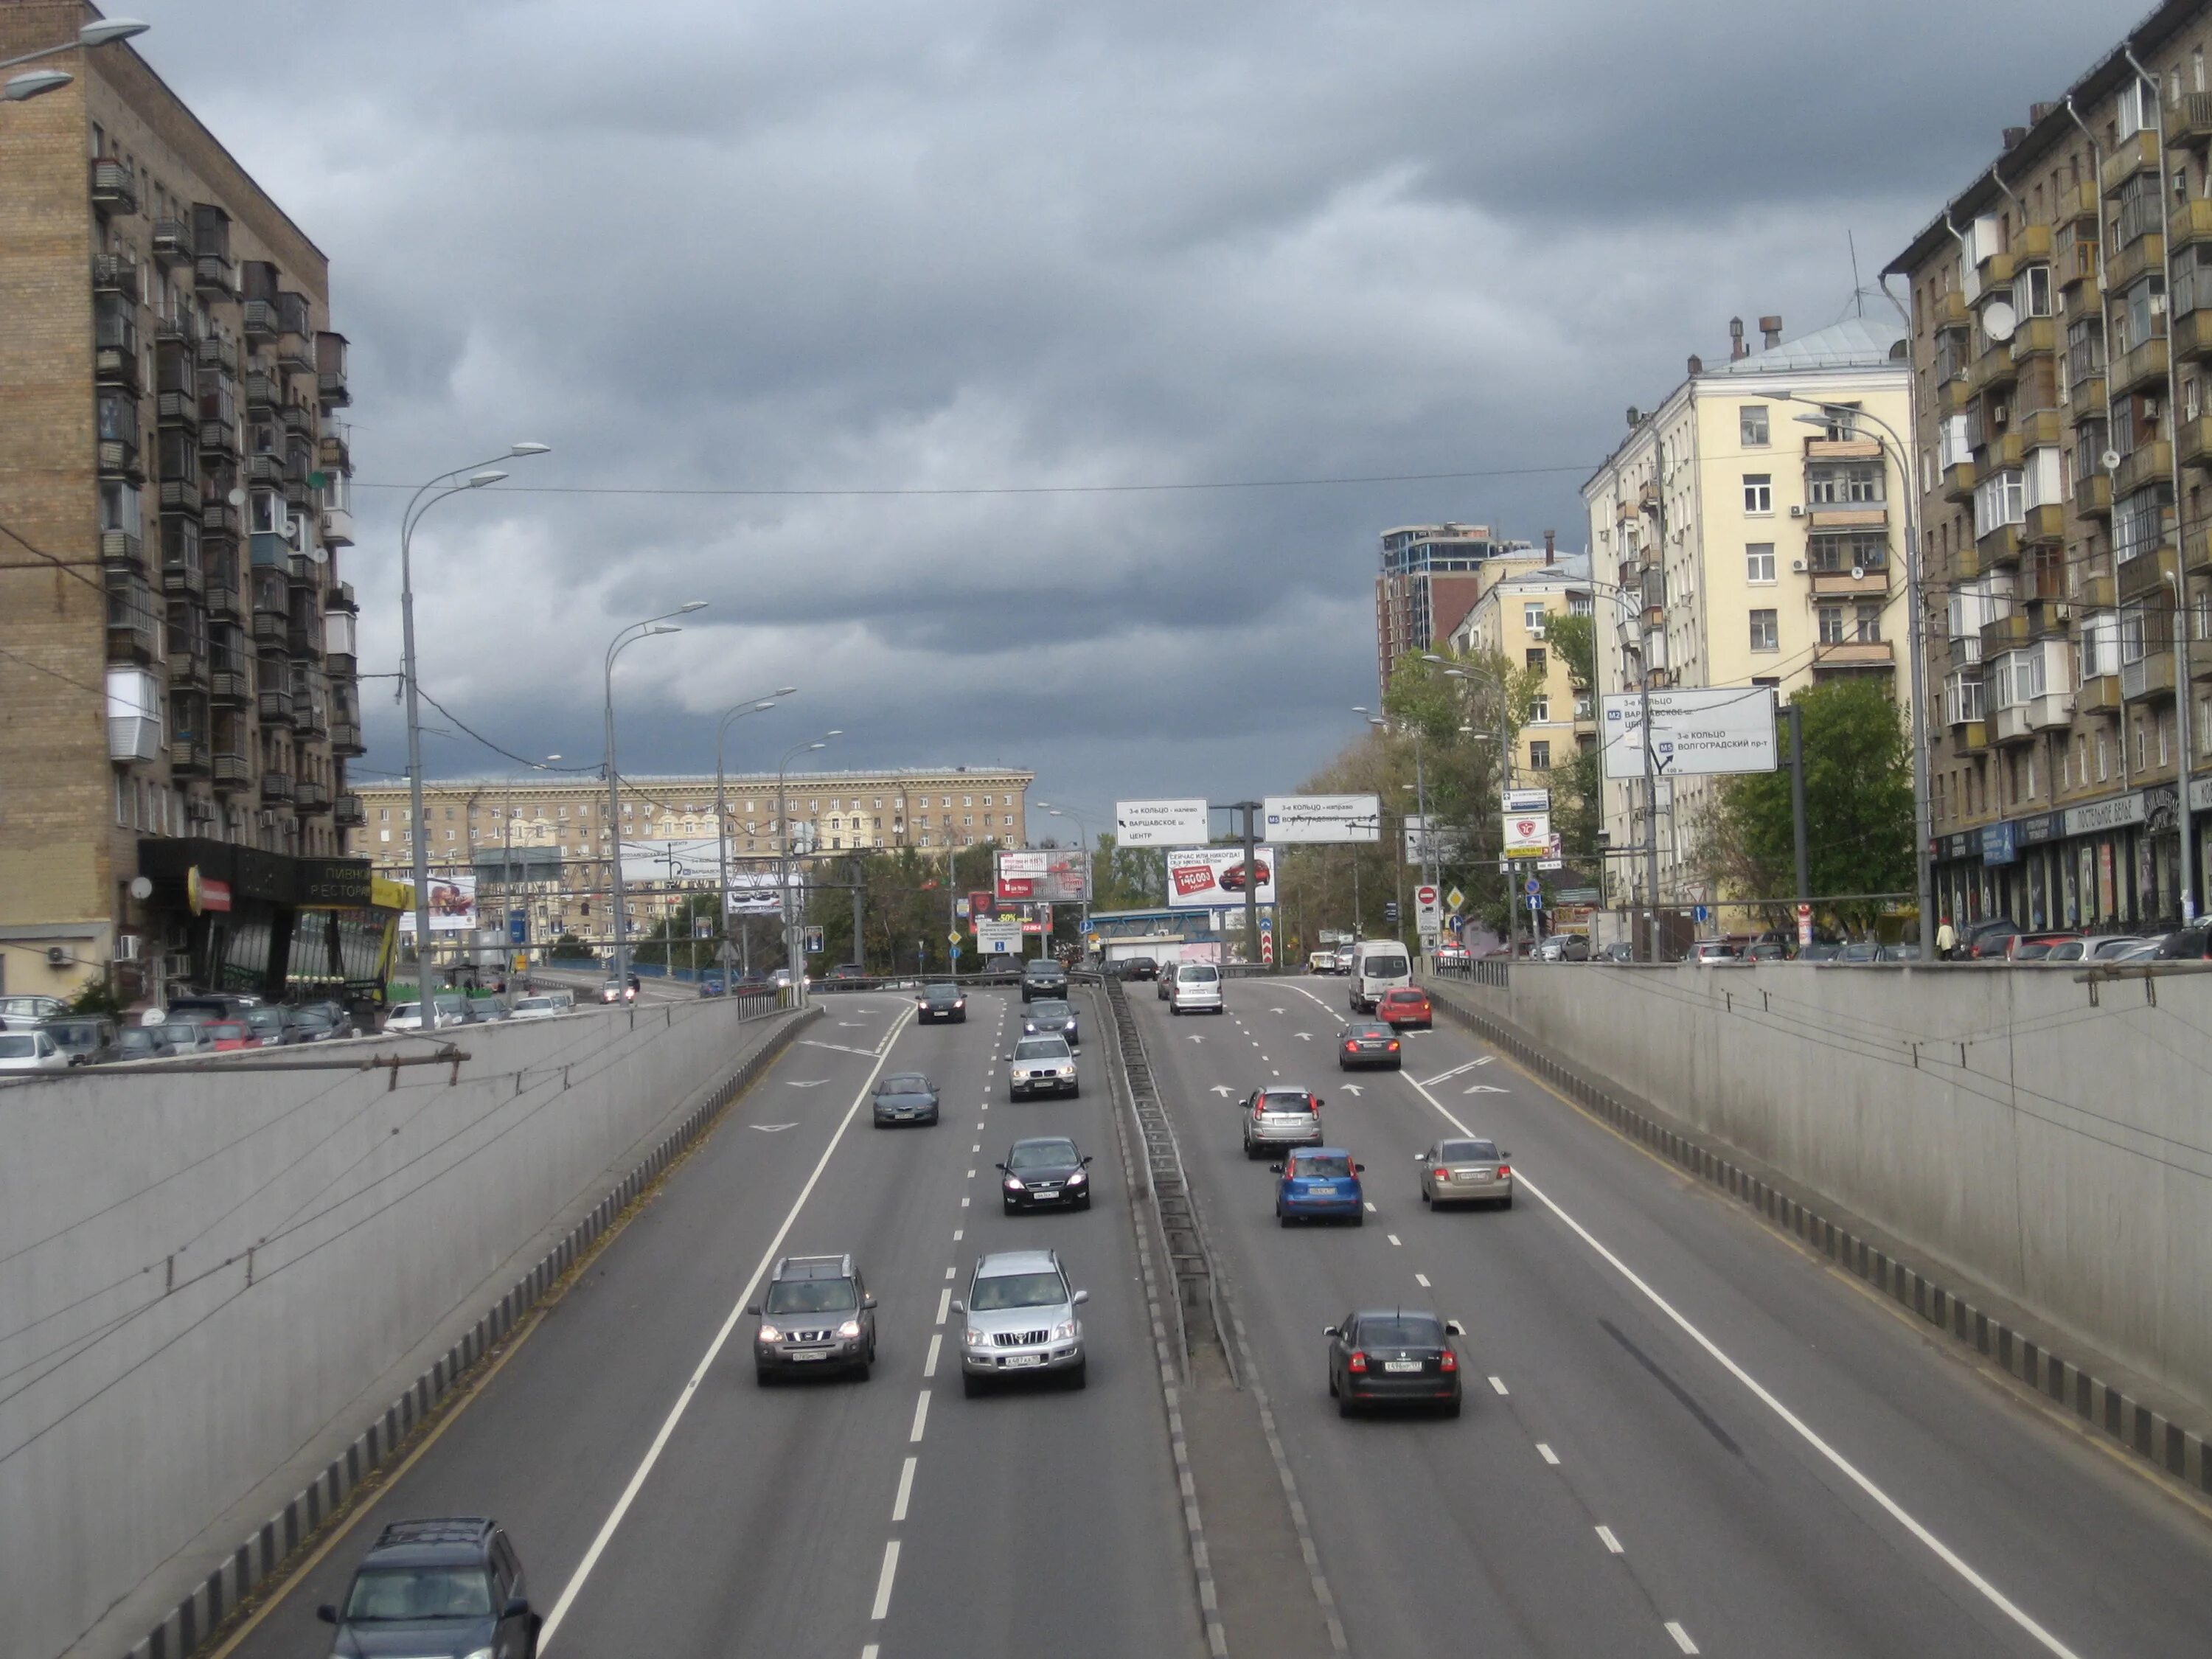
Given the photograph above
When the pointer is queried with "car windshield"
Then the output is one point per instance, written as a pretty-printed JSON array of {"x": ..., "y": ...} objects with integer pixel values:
[
  {"x": 420, "y": 1593},
  {"x": 2116, "y": 947},
  {"x": 1403, "y": 994},
  {"x": 137, "y": 1036},
  {"x": 1044, "y": 1155},
  {"x": 406, "y": 1011},
  {"x": 1003, "y": 1291},
  {"x": 796, "y": 1296},
  {"x": 1385, "y": 967},
  {"x": 1402, "y": 1331},
  {"x": 451, "y": 1005},
  {"x": 1197, "y": 973},
  {"x": 18, "y": 1047},
  {"x": 1042, "y": 971},
  {"x": 944, "y": 993},
  {"x": 264, "y": 1020},
  {"x": 75, "y": 1037},
  {"x": 183, "y": 1033},
  {"x": 904, "y": 1085},
  {"x": 227, "y": 1030},
  {"x": 1043, "y": 1009},
  {"x": 317, "y": 1019},
  {"x": 1468, "y": 1151},
  {"x": 1041, "y": 1048},
  {"x": 1285, "y": 1100},
  {"x": 534, "y": 1003},
  {"x": 1333, "y": 1167}
]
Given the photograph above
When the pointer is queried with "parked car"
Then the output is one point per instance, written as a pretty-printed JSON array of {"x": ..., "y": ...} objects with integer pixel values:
[
  {"x": 2038, "y": 947},
  {"x": 941, "y": 1003},
  {"x": 1280, "y": 1117},
  {"x": 904, "y": 1097},
  {"x": 1041, "y": 1064},
  {"x": 187, "y": 1036},
  {"x": 1988, "y": 938},
  {"x": 210, "y": 1005},
  {"x": 87, "y": 1039},
  {"x": 1619, "y": 950},
  {"x": 1466, "y": 1171},
  {"x": 229, "y": 1035},
  {"x": 1394, "y": 1356},
  {"x": 539, "y": 1008},
  {"x": 1765, "y": 949},
  {"x": 408, "y": 1016},
  {"x": 1050, "y": 1017},
  {"x": 1140, "y": 968},
  {"x": 1320, "y": 1183},
  {"x": 816, "y": 1315},
  {"x": 2185, "y": 945},
  {"x": 22, "y": 1013},
  {"x": 1821, "y": 949},
  {"x": 1453, "y": 958},
  {"x": 1044, "y": 1173},
  {"x": 1368, "y": 1042},
  {"x": 1904, "y": 950},
  {"x": 1712, "y": 949},
  {"x": 1565, "y": 947},
  {"x": 34, "y": 1050},
  {"x": 1195, "y": 989},
  {"x": 324, "y": 1022},
  {"x": 143, "y": 1043},
  {"x": 273, "y": 1024},
  {"x": 2119, "y": 947},
  {"x": 1043, "y": 977},
  {"x": 449, "y": 1586},
  {"x": 1408, "y": 1007},
  {"x": 1860, "y": 951},
  {"x": 1019, "y": 1318}
]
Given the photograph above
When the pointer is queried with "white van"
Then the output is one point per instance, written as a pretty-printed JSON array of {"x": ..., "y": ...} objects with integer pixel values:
[
  {"x": 1377, "y": 965},
  {"x": 1195, "y": 988}
]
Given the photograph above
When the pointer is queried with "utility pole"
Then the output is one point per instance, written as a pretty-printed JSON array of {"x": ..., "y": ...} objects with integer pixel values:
[
  {"x": 1797, "y": 801},
  {"x": 1251, "y": 883},
  {"x": 860, "y": 950},
  {"x": 1644, "y": 657}
]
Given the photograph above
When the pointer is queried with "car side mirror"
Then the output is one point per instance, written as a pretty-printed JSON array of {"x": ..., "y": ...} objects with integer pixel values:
[
  {"x": 1502, "y": 1153},
  {"x": 1276, "y": 1168},
  {"x": 1452, "y": 1327},
  {"x": 327, "y": 1614},
  {"x": 754, "y": 1311},
  {"x": 1421, "y": 1157},
  {"x": 958, "y": 1306},
  {"x": 516, "y": 1608},
  {"x": 1319, "y": 1102},
  {"x": 1328, "y": 1330},
  {"x": 1359, "y": 1168},
  {"x": 1086, "y": 1160},
  {"x": 1079, "y": 1298},
  {"x": 998, "y": 1166},
  {"x": 867, "y": 1302}
]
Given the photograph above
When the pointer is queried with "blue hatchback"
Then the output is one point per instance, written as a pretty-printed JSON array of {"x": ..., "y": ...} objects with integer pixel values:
[{"x": 1319, "y": 1183}]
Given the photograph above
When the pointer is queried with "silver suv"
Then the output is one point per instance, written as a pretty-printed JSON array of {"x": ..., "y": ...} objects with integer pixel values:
[
  {"x": 1041, "y": 1064},
  {"x": 1277, "y": 1117},
  {"x": 1019, "y": 1318}
]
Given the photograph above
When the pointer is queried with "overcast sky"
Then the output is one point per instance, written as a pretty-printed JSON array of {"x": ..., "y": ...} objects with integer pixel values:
[{"x": 863, "y": 246}]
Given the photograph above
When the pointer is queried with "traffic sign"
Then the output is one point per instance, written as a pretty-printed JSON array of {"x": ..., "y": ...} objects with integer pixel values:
[
  {"x": 960, "y": 906},
  {"x": 1532, "y": 887},
  {"x": 1390, "y": 911},
  {"x": 1425, "y": 895},
  {"x": 1456, "y": 899},
  {"x": 952, "y": 938},
  {"x": 1536, "y": 902}
]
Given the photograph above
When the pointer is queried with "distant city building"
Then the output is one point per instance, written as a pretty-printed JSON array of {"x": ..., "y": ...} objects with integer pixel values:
[
  {"x": 1513, "y": 619},
  {"x": 1430, "y": 577},
  {"x": 1782, "y": 561},
  {"x": 179, "y": 664},
  {"x": 2060, "y": 337}
]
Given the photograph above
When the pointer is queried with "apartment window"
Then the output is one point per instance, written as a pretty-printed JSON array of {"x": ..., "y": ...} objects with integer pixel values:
[
  {"x": 1540, "y": 711},
  {"x": 2165, "y": 735},
  {"x": 2000, "y": 500},
  {"x": 1540, "y": 755},
  {"x": 2140, "y": 315},
  {"x": 1831, "y": 624},
  {"x": 1765, "y": 630},
  {"x": 1581, "y": 605},
  {"x": 1532, "y": 618},
  {"x": 2139, "y": 521},
  {"x": 1758, "y": 564},
  {"x": 1759, "y": 492},
  {"x": 1854, "y": 484},
  {"x": 967, "y": 800},
  {"x": 1751, "y": 425},
  {"x": 1866, "y": 620},
  {"x": 1536, "y": 659},
  {"x": 2138, "y": 108},
  {"x": 2104, "y": 755},
  {"x": 2034, "y": 288}
]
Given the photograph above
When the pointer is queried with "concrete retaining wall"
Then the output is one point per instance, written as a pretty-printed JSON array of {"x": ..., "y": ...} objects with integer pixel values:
[
  {"x": 225, "y": 1293},
  {"x": 2049, "y": 1139}
]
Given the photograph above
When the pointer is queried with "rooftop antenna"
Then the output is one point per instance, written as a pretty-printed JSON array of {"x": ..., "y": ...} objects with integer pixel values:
[{"x": 1858, "y": 288}]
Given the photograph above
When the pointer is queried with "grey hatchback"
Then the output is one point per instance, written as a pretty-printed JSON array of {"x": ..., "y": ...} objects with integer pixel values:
[{"x": 1018, "y": 1319}]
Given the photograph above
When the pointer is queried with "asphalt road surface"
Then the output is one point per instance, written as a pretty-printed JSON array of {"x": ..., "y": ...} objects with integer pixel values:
[{"x": 1682, "y": 1433}]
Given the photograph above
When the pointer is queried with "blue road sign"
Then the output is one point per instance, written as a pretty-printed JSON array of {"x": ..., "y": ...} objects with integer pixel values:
[
  {"x": 1532, "y": 887},
  {"x": 1536, "y": 902}
]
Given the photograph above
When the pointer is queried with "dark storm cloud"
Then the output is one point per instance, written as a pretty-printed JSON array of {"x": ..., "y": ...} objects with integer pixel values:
[{"x": 907, "y": 246}]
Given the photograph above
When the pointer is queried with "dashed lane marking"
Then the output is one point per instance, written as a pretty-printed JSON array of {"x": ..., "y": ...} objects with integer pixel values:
[
  {"x": 920, "y": 1416},
  {"x": 1421, "y": 1280},
  {"x": 1547, "y": 1454},
  {"x": 884, "y": 1582},
  {"x": 1605, "y": 1536},
  {"x": 905, "y": 1491},
  {"x": 1499, "y": 1384},
  {"x": 943, "y": 1305},
  {"x": 1681, "y": 1637},
  {"x": 1393, "y": 1240},
  {"x": 929, "y": 1365}
]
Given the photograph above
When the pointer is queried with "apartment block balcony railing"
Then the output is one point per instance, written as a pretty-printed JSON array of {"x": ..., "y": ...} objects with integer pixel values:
[
  {"x": 263, "y": 392},
  {"x": 215, "y": 276},
  {"x": 2093, "y": 495},
  {"x": 216, "y": 352},
  {"x": 2147, "y": 463},
  {"x": 2137, "y": 153},
  {"x": 229, "y": 688},
  {"x": 114, "y": 187},
  {"x": 2142, "y": 369},
  {"x": 276, "y": 787},
  {"x": 274, "y": 707},
  {"x": 258, "y": 318},
  {"x": 123, "y": 552},
  {"x": 345, "y": 736},
  {"x": 2099, "y": 694},
  {"x": 188, "y": 758},
  {"x": 2188, "y": 120},
  {"x": 172, "y": 243},
  {"x": 310, "y": 796},
  {"x": 230, "y": 770},
  {"x": 2148, "y": 573},
  {"x": 116, "y": 273},
  {"x": 347, "y": 812},
  {"x": 2129, "y": 262},
  {"x": 2148, "y": 679}
]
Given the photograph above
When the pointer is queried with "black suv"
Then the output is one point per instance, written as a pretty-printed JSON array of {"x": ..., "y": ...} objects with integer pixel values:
[
  {"x": 1140, "y": 968},
  {"x": 817, "y": 1315},
  {"x": 450, "y": 1587},
  {"x": 1043, "y": 978}
]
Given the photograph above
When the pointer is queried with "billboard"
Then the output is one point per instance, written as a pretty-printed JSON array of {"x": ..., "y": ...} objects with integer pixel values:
[
  {"x": 1323, "y": 817},
  {"x": 1160, "y": 824},
  {"x": 452, "y": 907},
  {"x": 1213, "y": 878},
  {"x": 753, "y": 892},
  {"x": 1058, "y": 875},
  {"x": 1694, "y": 732},
  {"x": 1527, "y": 834},
  {"x": 1423, "y": 843}
]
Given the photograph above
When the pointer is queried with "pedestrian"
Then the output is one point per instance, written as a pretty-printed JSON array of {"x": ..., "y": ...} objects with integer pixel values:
[{"x": 1946, "y": 941}]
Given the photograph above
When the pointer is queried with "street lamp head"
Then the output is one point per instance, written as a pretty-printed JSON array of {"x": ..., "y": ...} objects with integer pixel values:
[
  {"x": 818, "y": 745},
  {"x": 764, "y": 703},
  {"x": 1360, "y": 708},
  {"x": 835, "y": 732},
  {"x": 1431, "y": 656},
  {"x": 30, "y": 85},
  {"x": 1455, "y": 673},
  {"x": 663, "y": 627},
  {"x": 107, "y": 32},
  {"x": 478, "y": 480},
  {"x": 787, "y": 690},
  {"x": 1371, "y": 721},
  {"x": 530, "y": 449},
  {"x": 689, "y": 605}
]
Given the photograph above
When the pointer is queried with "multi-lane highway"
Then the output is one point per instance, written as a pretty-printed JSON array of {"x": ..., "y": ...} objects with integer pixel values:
[
  {"x": 665, "y": 1504},
  {"x": 1682, "y": 1434}
]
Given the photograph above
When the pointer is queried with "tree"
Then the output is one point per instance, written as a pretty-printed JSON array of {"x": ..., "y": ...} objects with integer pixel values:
[
  {"x": 1858, "y": 809},
  {"x": 1578, "y": 809},
  {"x": 570, "y": 948}
]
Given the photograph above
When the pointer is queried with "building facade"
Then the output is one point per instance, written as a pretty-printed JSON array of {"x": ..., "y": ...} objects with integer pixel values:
[
  {"x": 549, "y": 844},
  {"x": 179, "y": 646},
  {"x": 2059, "y": 353},
  {"x": 1431, "y": 575},
  {"x": 1733, "y": 546},
  {"x": 1512, "y": 620}
]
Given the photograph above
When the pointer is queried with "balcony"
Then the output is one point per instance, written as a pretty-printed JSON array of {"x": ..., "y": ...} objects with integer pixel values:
[
  {"x": 310, "y": 797},
  {"x": 188, "y": 758},
  {"x": 269, "y": 628},
  {"x": 1999, "y": 548},
  {"x": 276, "y": 787},
  {"x": 2005, "y": 634},
  {"x": 259, "y": 318},
  {"x": 215, "y": 276},
  {"x": 118, "y": 459},
  {"x": 2077, "y": 265},
  {"x": 2191, "y": 335},
  {"x": 331, "y": 370},
  {"x": 302, "y": 571},
  {"x": 2050, "y": 619},
  {"x": 299, "y": 420},
  {"x": 1846, "y": 515},
  {"x": 181, "y": 575},
  {"x": 217, "y": 353},
  {"x": 116, "y": 273},
  {"x": 230, "y": 770},
  {"x": 338, "y": 596},
  {"x": 1994, "y": 369},
  {"x": 2142, "y": 369},
  {"x": 274, "y": 707},
  {"x": 2188, "y": 120},
  {"x": 2195, "y": 442},
  {"x": 2148, "y": 573},
  {"x": 2093, "y": 495},
  {"x": 2196, "y": 554},
  {"x": 2127, "y": 265},
  {"x": 134, "y": 620},
  {"x": 1843, "y": 583},
  {"x": 2150, "y": 464},
  {"x": 188, "y": 670},
  {"x": 218, "y": 438},
  {"x": 2037, "y": 336},
  {"x": 2151, "y": 677},
  {"x": 347, "y": 812},
  {"x": 219, "y": 519},
  {"x": 2099, "y": 694},
  {"x": 1842, "y": 449},
  {"x": 2088, "y": 397},
  {"x": 345, "y": 736},
  {"x": 115, "y": 353},
  {"x": 2098, "y": 593},
  {"x": 263, "y": 392},
  {"x": 337, "y": 527},
  {"x": 296, "y": 338},
  {"x": 1853, "y": 654},
  {"x": 2046, "y": 525},
  {"x": 308, "y": 717},
  {"x": 114, "y": 188},
  {"x": 176, "y": 411},
  {"x": 1970, "y": 738},
  {"x": 2137, "y": 153},
  {"x": 230, "y": 688},
  {"x": 300, "y": 642},
  {"x": 1958, "y": 482},
  {"x": 267, "y": 470},
  {"x": 122, "y": 553},
  {"x": 2031, "y": 432},
  {"x": 172, "y": 243}
]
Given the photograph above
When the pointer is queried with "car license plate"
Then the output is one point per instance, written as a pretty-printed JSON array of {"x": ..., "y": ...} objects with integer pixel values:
[
  {"x": 1041, "y": 1197},
  {"x": 811, "y": 1354},
  {"x": 1018, "y": 1360},
  {"x": 1402, "y": 1365}
]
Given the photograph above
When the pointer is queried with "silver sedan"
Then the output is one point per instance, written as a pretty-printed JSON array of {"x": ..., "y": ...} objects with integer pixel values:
[{"x": 1467, "y": 1171}]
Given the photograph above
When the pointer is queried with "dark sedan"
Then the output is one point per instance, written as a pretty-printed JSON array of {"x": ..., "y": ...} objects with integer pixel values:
[
  {"x": 1391, "y": 1356},
  {"x": 87, "y": 1039},
  {"x": 1369, "y": 1043},
  {"x": 1050, "y": 1016},
  {"x": 323, "y": 1021},
  {"x": 905, "y": 1097},
  {"x": 1140, "y": 968},
  {"x": 143, "y": 1043},
  {"x": 1045, "y": 1173},
  {"x": 941, "y": 1002}
]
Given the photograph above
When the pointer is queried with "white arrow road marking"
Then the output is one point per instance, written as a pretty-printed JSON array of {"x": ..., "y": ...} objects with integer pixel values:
[
  {"x": 1277, "y": 1011},
  {"x": 1222, "y": 1089},
  {"x": 809, "y": 1042},
  {"x": 1303, "y": 1036},
  {"x": 770, "y": 1129},
  {"x": 1194, "y": 1038},
  {"x": 1485, "y": 1060},
  {"x": 1353, "y": 1089},
  {"x": 811, "y": 1083},
  {"x": 1483, "y": 1089},
  {"x": 1445, "y": 1077}
]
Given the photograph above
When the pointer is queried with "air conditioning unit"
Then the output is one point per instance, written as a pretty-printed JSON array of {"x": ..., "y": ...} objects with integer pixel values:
[
  {"x": 2150, "y": 409},
  {"x": 2000, "y": 414},
  {"x": 1796, "y": 512},
  {"x": 126, "y": 946},
  {"x": 1797, "y": 567},
  {"x": 60, "y": 956}
]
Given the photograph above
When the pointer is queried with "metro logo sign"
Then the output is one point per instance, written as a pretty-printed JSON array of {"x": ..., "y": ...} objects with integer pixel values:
[{"x": 1527, "y": 834}]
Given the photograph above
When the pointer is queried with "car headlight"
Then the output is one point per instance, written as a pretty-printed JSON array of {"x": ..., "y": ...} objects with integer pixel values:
[
  {"x": 978, "y": 1338},
  {"x": 1064, "y": 1332},
  {"x": 1067, "y": 1071},
  {"x": 769, "y": 1334},
  {"x": 481, "y": 1653},
  {"x": 1079, "y": 1177},
  {"x": 1014, "y": 1184},
  {"x": 850, "y": 1328}
]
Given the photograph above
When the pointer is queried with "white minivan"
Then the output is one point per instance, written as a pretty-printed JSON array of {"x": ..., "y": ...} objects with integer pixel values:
[
  {"x": 1197, "y": 989},
  {"x": 1377, "y": 965}
]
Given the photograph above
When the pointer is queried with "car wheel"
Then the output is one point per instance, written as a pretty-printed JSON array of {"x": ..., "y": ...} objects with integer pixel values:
[
  {"x": 1332, "y": 1385},
  {"x": 1282, "y": 1220},
  {"x": 1009, "y": 1206},
  {"x": 1084, "y": 1203},
  {"x": 1451, "y": 1406},
  {"x": 860, "y": 1370},
  {"x": 970, "y": 1384},
  {"x": 1075, "y": 1091},
  {"x": 1080, "y": 1376},
  {"x": 763, "y": 1375},
  {"x": 1346, "y": 1406},
  {"x": 1360, "y": 1218},
  {"x": 1506, "y": 1202},
  {"x": 1425, "y": 1194}
]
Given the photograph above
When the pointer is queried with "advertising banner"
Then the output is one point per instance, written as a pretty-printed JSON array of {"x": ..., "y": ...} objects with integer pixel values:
[
  {"x": 452, "y": 907},
  {"x": 647, "y": 861},
  {"x": 1423, "y": 843},
  {"x": 1694, "y": 732},
  {"x": 1527, "y": 834},
  {"x": 1331, "y": 818},
  {"x": 1213, "y": 878},
  {"x": 1528, "y": 800},
  {"x": 1159, "y": 823},
  {"x": 753, "y": 893},
  {"x": 1057, "y": 875}
]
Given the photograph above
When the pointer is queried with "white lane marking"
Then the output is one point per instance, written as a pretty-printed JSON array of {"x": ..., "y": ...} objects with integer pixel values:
[
  {"x": 1340, "y": 1018},
  {"x": 943, "y": 1305},
  {"x": 1483, "y": 1089},
  {"x": 929, "y": 1365},
  {"x": 1354, "y": 1090},
  {"x": 770, "y": 1129},
  {"x": 1370, "y": 1208},
  {"x": 1499, "y": 1384},
  {"x": 905, "y": 1491},
  {"x": 630, "y": 1492},
  {"x": 1605, "y": 1536},
  {"x": 1221, "y": 1089},
  {"x": 920, "y": 1416},
  {"x": 842, "y": 1048},
  {"x": 1393, "y": 1239},
  {"x": 976, "y": 1148},
  {"x": 1421, "y": 1280},
  {"x": 788, "y": 1083},
  {"x": 957, "y": 1233},
  {"x": 963, "y": 1203},
  {"x": 1547, "y": 1453},
  {"x": 948, "y": 1273},
  {"x": 870, "y": 1652},
  {"x": 884, "y": 1582},
  {"x": 1681, "y": 1637},
  {"x": 1897, "y": 1512}
]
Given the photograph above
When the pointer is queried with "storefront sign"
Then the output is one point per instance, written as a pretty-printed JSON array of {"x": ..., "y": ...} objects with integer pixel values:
[
  {"x": 2114, "y": 814},
  {"x": 1997, "y": 844},
  {"x": 2043, "y": 827},
  {"x": 2200, "y": 794},
  {"x": 204, "y": 893},
  {"x": 333, "y": 884},
  {"x": 1962, "y": 846}
]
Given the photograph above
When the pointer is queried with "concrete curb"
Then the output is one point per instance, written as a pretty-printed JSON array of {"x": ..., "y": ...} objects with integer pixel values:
[
  {"x": 2137, "y": 1427},
  {"x": 263, "y": 1552}
]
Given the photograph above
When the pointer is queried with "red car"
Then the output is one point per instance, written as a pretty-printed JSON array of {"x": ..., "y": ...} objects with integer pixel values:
[
  {"x": 230, "y": 1034},
  {"x": 1405, "y": 1006}
]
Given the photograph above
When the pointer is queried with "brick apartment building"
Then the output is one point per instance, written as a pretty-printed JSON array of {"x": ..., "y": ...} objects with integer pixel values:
[{"x": 177, "y": 691}]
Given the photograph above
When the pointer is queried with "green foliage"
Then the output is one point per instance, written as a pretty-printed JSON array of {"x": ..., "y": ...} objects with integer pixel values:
[
  {"x": 1128, "y": 878},
  {"x": 570, "y": 948},
  {"x": 1858, "y": 808},
  {"x": 98, "y": 997},
  {"x": 1574, "y": 639}
]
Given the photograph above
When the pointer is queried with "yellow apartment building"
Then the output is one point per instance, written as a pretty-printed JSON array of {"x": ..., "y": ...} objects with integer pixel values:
[{"x": 1513, "y": 619}]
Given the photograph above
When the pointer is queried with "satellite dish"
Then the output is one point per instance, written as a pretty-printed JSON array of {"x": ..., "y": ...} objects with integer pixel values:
[
  {"x": 141, "y": 888},
  {"x": 1858, "y": 573},
  {"x": 2111, "y": 459},
  {"x": 2000, "y": 321},
  {"x": 237, "y": 498}
]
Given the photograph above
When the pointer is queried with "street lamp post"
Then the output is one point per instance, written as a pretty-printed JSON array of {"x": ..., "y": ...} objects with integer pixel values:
[
  {"x": 749, "y": 706},
  {"x": 20, "y": 88},
  {"x": 1083, "y": 829},
  {"x": 793, "y": 958},
  {"x": 440, "y": 488},
  {"x": 622, "y": 640}
]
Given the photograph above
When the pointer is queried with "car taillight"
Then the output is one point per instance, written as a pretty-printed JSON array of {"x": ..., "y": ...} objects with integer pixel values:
[
  {"x": 1394, "y": 1045},
  {"x": 1352, "y": 1048},
  {"x": 1504, "y": 1170},
  {"x": 1357, "y": 1363},
  {"x": 1442, "y": 1175},
  {"x": 1450, "y": 1360}
]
